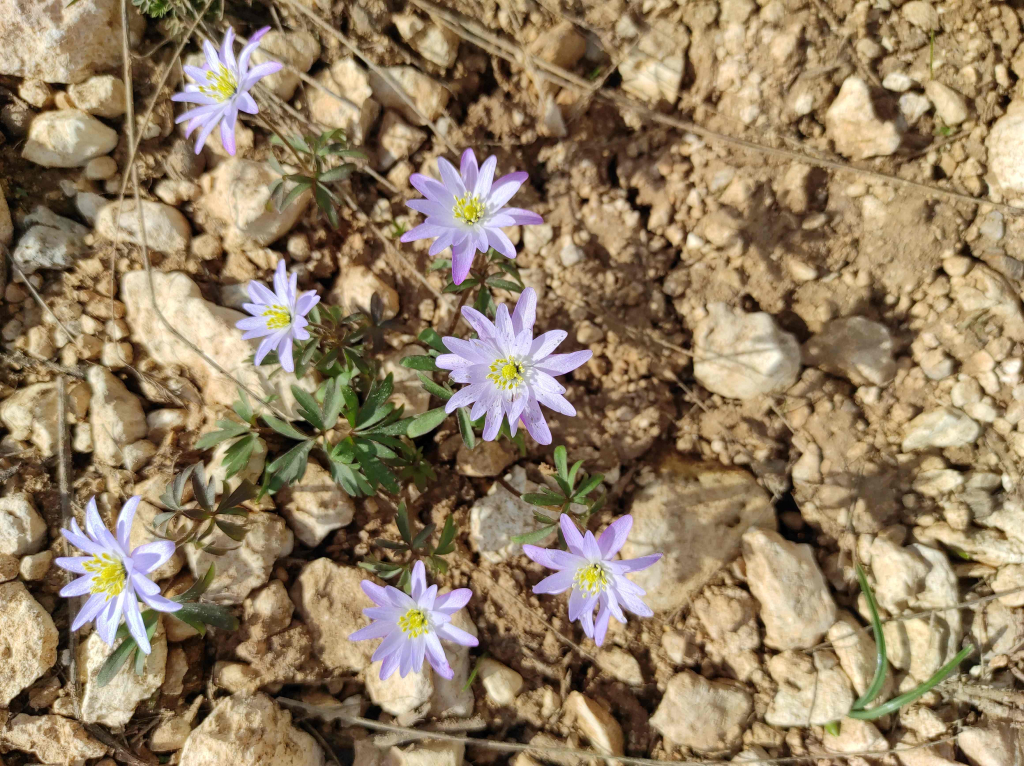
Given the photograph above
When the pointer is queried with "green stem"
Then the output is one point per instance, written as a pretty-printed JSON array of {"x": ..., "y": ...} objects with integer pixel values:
[{"x": 881, "y": 661}]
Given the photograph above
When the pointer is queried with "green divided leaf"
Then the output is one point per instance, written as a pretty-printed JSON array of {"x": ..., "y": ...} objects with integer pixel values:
[{"x": 427, "y": 422}]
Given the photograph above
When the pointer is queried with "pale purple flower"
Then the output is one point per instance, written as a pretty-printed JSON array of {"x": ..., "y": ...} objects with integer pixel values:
[
  {"x": 510, "y": 374},
  {"x": 412, "y": 626},
  {"x": 278, "y": 317},
  {"x": 465, "y": 210},
  {"x": 221, "y": 89},
  {"x": 595, "y": 579},
  {"x": 114, "y": 575}
]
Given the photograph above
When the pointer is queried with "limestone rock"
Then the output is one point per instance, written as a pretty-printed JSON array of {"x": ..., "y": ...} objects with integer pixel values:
[
  {"x": 499, "y": 516},
  {"x": 239, "y": 196},
  {"x": 857, "y": 652},
  {"x": 653, "y": 70},
  {"x": 348, "y": 104},
  {"x": 409, "y": 392},
  {"x": 52, "y": 242},
  {"x": 943, "y": 427},
  {"x": 856, "y": 736},
  {"x": 35, "y": 566},
  {"x": 266, "y": 612},
  {"x": 315, "y": 506},
  {"x": 485, "y": 460},
  {"x": 429, "y": 97},
  {"x": 28, "y": 640},
  {"x": 1005, "y": 144},
  {"x": 695, "y": 514},
  {"x": 810, "y": 691},
  {"x": 172, "y": 732},
  {"x": 856, "y": 348},
  {"x": 396, "y": 140},
  {"x": 102, "y": 95},
  {"x": 67, "y": 138},
  {"x": 300, "y": 49},
  {"x": 22, "y": 529},
  {"x": 285, "y": 658},
  {"x": 855, "y": 126},
  {"x": 595, "y": 723},
  {"x": 30, "y": 413},
  {"x": 796, "y": 606},
  {"x": 167, "y": 230},
  {"x": 501, "y": 683},
  {"x": 52, "y": 739},
  {"x": 53, "y": 41},
  {"x": 354, "y": 289},
  {"x": 330, "y": 601},
  {"x": 249, "y": 730},
  {"x": 428, "y": 753},
  {"x": 435, "y": 43},
  {"x": 451, "y": 697},
  {"x": 950, "y": 106},
  {"x": 248, "y": 564},
  {"x": 115, "y": 415},
  {"x": 725, "y": 708},
  {"x": 114, "y": 704},
  {"x": 211, "y": 328},
  {"x": 922, "y": 15},
  {"x": 401, "y": 696},
  {"x": 741, "y": 355},
  {"x": 992, "y": 745}
]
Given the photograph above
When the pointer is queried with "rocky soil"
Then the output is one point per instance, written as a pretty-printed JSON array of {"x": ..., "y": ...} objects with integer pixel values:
[{"x": 807, "y": 354}]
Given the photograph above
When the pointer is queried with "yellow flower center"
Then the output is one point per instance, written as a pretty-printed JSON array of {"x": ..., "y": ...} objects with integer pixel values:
[
  {"x": 414, "y": 623},
  {"x": 591, "y": 579},
  {"x": 468, "y": 208},
  {"x": 278, "y": 317},
  {"x": 220, "y": 85},
  {"x": 506, "y": 374},
  {"x": 109, "y": 575}
]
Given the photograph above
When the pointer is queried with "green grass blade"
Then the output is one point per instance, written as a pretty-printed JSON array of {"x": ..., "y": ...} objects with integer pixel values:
[
  {"x": 881, "y": 662},
  {"x": 905, "y": 699}
]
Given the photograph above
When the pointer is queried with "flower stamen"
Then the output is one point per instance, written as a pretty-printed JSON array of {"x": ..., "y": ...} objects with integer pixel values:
[
  {"x": 468, "y": 209},
  {"x": 278, "y": 317},
  {"x": 220, "y": 84},
  {"x": 109, "y": 575},
  {"x": 591, "y": 579},
  {"x": 414, "y": 623},
  {"x": 506, "y": 373}
]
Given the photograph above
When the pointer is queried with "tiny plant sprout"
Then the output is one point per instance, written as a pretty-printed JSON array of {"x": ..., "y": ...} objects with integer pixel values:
[
  {"x": 509, "y": 373},
  {"x": 279, "y": 317},
  {"x": 595, "y": 579},
  {"x": 221, "y": 89},
  {"x": 466, "y": 211},
  {"x": 113, "y": 575},
  {"x": 412, "y": 625}
]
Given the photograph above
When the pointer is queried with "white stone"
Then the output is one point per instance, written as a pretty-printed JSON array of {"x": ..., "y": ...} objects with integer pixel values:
[
  {"x": 855, "y": 128},
  {"x": 570, "y": 253},
  {"x": 330, "y": 601},
  {"x": 436, "y": 44},
  {"x": 249, "y": 730},
  {"x": 239, "y": 196},
  {"x": 810, "y": 691},
  {"x": 950, "y": 106},
  {"x": 1005, "y": 144},
  {"x": 28, "y": 640},
  {"x": 115, "y": 415},
  {"x": 53, "y": 739},
  {"x": 248, "y": 564},
  {"x": 353, "y": 291},
  {"x": 35, "y": 566},
  {"x": 921, "y": 14},
  {"x": 267, "y": 612},
  {"x": 22, "y": 529},
  {"x": 741, "y": 355},
  {"x": 172, "y": 732},
  {"x": 595, "y": 723},
  {"x": 452, "y": 698},
  {"x": 347, "y": 104},
  {"x": 427, "y": 95},
  {"x": 166, "y": 229},
  {"x": 997, "y": 744},
  {"x": 397, "y": 140},
  {"x": 943, "y": 427},
  {"x": 914, "y": 106},
  {"x": 501, "y": 683},
  {"x": 300, "y": 49},
  {"x": 211, "y": 328},
  {"x": 695, "y": 514},
  {"x": 53, "y": 41},
  {"x": 409, "y": 392},
  {"x": 856, "y": 348},
  {"x": 102, "y": 95},
  {"x": 30, "y": 413},
  {"x": 427, "y": 753},
  {"x": 400, "y": 696},
  {"x": 898, "y": 82},
  {"x": 67, "y": 138},
  {"x": 856, "y": 651},
  {"x": 499, "y": 516},
  {"x": 315, "y": 506},
  {"x": 137, "y": 454},
  {"x": 114, "y": 704},
  {"x": 100, "y": 169},
  {"x": 653, "y": 69},
  {"x": 856, "y": 736},
  {"x": 725, "y": 709},
  {"x": 796, "y": 606},
  {"x": 52, "y": 242}
]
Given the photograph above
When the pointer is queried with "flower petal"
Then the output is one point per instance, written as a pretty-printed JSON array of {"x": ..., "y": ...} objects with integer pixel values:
[
  {"x": 552, "y": 558},
  {"x": 124, "y": 521},
  {"x": 497, "y": 239},
  {"x": 525, "y": 314},
  {"x": 601, "y": 625},
  {"x": 89, "y": 610},
  {"x": 450, "y": 178},
  {"x": 482, "y": 187},
  {"x": 377, "y": 629},
  {"x": 462, "y": 398},
  {"x": 468, "y": 168},
  {"x": 78, "y": 587},
  {"x": 418, "y": 581},
  {"x": 560, "y": 364},
  {"x": 522, "y": 217},
  {"x": 535, "y": 423},
  {"x": 545, "y": 343},
  {"x": 160, "y": 603},
  {"x": 436, "y": 657},
  {"x": 284, "y": 354},
  {"x": 83, "y": 543},
  {"x": 572, "y": 535},
  {"x": 614, "y": 537},
  {"x": 432, "y": 189},
  {"x": 481, "y": 325},
  {"x": 505, "y": 188},
  {"x": 110, "y": 618},
  {"x": 590, "y": 548},
  {"x": 638, "y": 564},
  {"x": 462, "y": 261},
  {"x": 149, "y": 556},
  {"x": 449, "y": 632},
  {"x": 556, "y": 583},
  {"x": 136, "y": 626},
  {"x": 451, "y": 602}
]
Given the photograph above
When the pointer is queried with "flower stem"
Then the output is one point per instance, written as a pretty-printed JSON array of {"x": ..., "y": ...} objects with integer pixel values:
[{"x": 276, "y": 132}]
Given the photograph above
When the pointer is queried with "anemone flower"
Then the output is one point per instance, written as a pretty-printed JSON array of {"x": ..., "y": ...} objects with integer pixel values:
[{"x": 279, "y": 317}]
